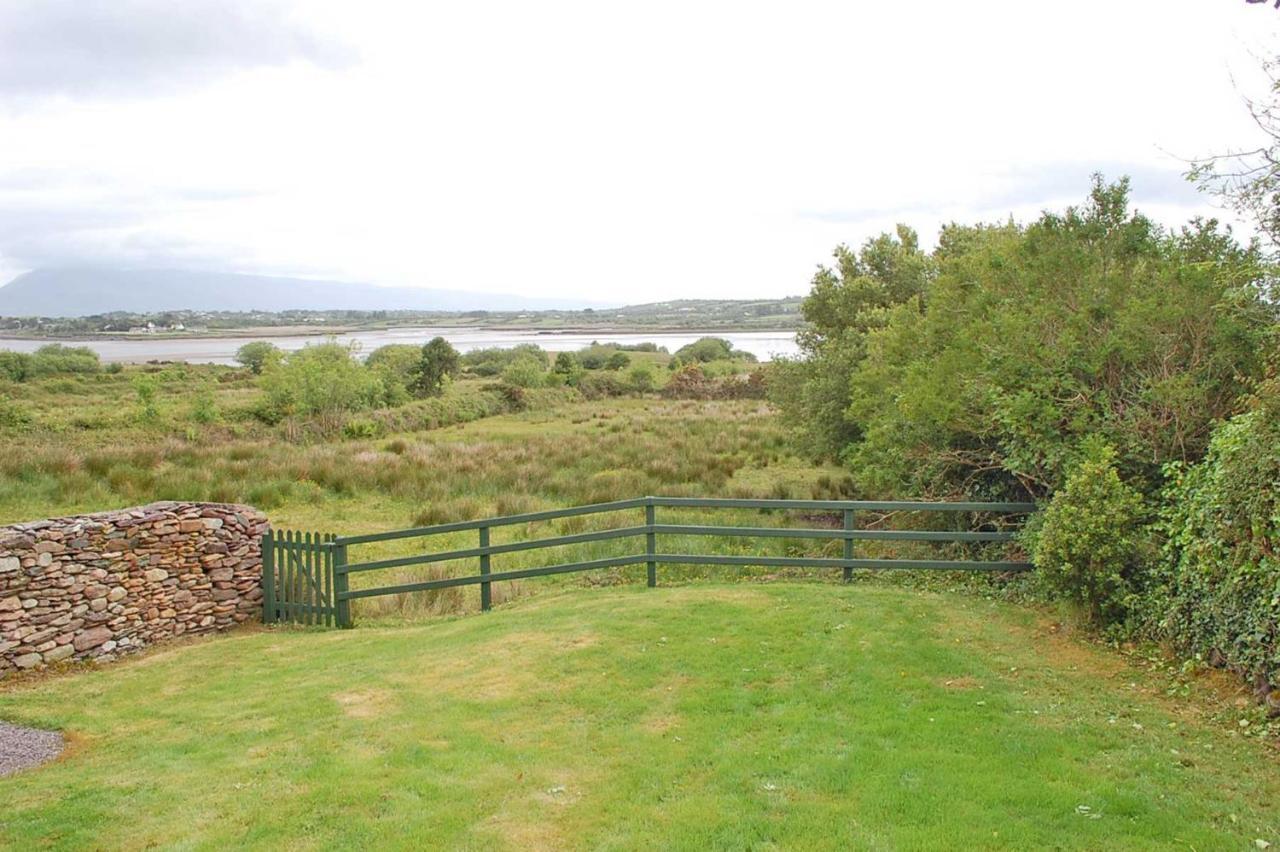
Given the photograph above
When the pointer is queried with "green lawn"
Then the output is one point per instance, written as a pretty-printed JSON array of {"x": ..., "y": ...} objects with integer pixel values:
[{"x": 783, "y": 715}]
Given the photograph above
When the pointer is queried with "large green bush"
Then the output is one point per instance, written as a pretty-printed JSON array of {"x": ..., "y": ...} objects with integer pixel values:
[
  {"x": 493, "y": 360},
  {"x": 1218, "y": 593},
  {"x": 979, "y": 369},
  {"x": 15, "y": 366},
  {"x": 258, "y": 355},
  {"x": 396, "y": 361},
  {"x": 321, "y": 380},
  {"x": 438, "y": 362},
  {"x": 525, "y": 371},
  {"x": 1089, "y": 542},
  {"x": 52, "y": 359},
  {"x": 707, "y": 349}
]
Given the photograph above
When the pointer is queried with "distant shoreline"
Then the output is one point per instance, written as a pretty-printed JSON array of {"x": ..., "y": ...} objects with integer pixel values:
[{"x": 313, "y": 331}]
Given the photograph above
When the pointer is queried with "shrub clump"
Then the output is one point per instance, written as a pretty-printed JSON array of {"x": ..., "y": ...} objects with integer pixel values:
[
  {"x": 1089, "y": 542},
  {"x": 322, "y": 380},
  {"x": 1218, "y": 595},
  {"x": 52, "y": 359}
]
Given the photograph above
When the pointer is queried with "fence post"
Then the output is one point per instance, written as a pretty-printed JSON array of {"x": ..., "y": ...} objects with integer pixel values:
[
  {"x": 650, "y": 544},
  {"x": 486, "y": 592},
  {"x": 848, "y": 544},
  {"x": 268, "y": 578},
  {"x": 340, "y": 585}
]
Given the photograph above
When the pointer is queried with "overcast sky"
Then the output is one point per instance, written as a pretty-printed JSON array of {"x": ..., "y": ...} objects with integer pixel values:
[{"x": 623, "y": 152}]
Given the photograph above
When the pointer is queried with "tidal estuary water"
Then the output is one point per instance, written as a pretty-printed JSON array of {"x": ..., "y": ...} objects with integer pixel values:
[{"x": 765, "y": 345}]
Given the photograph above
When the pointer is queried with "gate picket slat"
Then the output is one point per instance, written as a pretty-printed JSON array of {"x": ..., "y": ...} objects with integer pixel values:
[
  {"x": 286, "y": 575},
  {"x": 328, "y": 583},
  {"x": 311, "y": 586}
]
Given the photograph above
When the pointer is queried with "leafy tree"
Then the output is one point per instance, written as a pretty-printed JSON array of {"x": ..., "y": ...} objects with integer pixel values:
[
  {"x": 323, "y": 380},
  {"x": 846, "y": 302},
  {"x": 617, "y": 361},
  {"x": 437, "y": 363},
  {"x": 1029, "y": 339},
  {"x": 258, "y": 356},
  {"x": 569, "y": 367}
]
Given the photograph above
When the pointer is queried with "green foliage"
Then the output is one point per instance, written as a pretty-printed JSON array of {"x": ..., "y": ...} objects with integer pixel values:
[
  {"x": 145, "y": 387},
  {"x": 258, "y": 356},
  {"x": 204, "y": 407},
  {"x": 525, "y": 371},
  {"x": 15, "y": 366},
  {"x": 321, "y": 379},
  {"x": 707, "y": 349},
  {"x": 1090, "y": 540},
  {"x": 1219, "y": 590},
  {"x": 598, "y": 385},
  {"x": 617, "y": 361},
  {"x": 56, "y": 359},
  {"x": 979, "y": 370},
  {"x": 568, "y": 367},
  {"x": 52, "y": 359},
  {"x": 847, "y": 301},
  {"x": 13, "y": 415},
  {"x": 360, "y": 428},
  {"x": 492, "y": 361},
  {"x": 641, "y": 378},
  {"x": 437, "y": 363},
  {"x": 397, "y": 362}
]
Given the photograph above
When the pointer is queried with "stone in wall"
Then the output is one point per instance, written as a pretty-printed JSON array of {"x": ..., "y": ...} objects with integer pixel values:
[{"x": 94, "y": 586}]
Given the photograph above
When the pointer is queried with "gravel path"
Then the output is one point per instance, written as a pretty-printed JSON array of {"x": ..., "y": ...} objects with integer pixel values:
[{"x": 23, "y": 747}]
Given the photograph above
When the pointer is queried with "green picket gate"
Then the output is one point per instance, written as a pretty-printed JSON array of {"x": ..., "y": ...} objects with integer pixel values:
[
  {"x": 298, "y": 578},
  {"x": 306, "y": 576}
]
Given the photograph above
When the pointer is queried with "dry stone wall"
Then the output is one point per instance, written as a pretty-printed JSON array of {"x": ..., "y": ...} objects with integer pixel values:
[{"x": 94, "y": 586}]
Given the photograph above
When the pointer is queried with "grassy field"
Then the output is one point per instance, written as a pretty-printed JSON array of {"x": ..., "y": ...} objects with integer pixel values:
[
  {"x": 782, "y": 715},
  {"x": 435, "y": 461},
  {"x": 594, "y": 714}
]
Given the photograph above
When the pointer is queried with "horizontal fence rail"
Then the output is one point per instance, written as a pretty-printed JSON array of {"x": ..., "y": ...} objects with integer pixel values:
[{"x": 306, "y": 577}]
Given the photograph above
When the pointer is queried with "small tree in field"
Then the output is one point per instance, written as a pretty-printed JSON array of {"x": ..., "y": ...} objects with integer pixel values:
[
  {"x": 258, "y": 356},
  {"x": 569, "y": 367},
  {"x": 438, "y": 362}
]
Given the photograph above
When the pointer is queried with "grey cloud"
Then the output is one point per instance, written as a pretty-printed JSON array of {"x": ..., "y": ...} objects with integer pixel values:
[
  {"x": 107, "y": 225},
  {"x": 89, "y": 48}
]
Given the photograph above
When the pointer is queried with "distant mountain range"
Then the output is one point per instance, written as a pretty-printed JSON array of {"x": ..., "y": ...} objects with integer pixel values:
[{"x": 86, "y": 291}]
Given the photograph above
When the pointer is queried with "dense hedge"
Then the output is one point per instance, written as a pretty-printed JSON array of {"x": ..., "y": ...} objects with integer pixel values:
[
  {"x": 1093, "y": 361},
  {"x": 1218, "y": 594}
]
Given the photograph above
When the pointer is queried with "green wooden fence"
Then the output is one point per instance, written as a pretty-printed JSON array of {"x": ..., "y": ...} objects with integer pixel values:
[{"x": 306, "y": 576}]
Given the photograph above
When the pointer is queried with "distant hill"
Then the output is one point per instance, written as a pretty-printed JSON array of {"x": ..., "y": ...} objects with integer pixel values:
[{"x": 86, "y": 291}]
